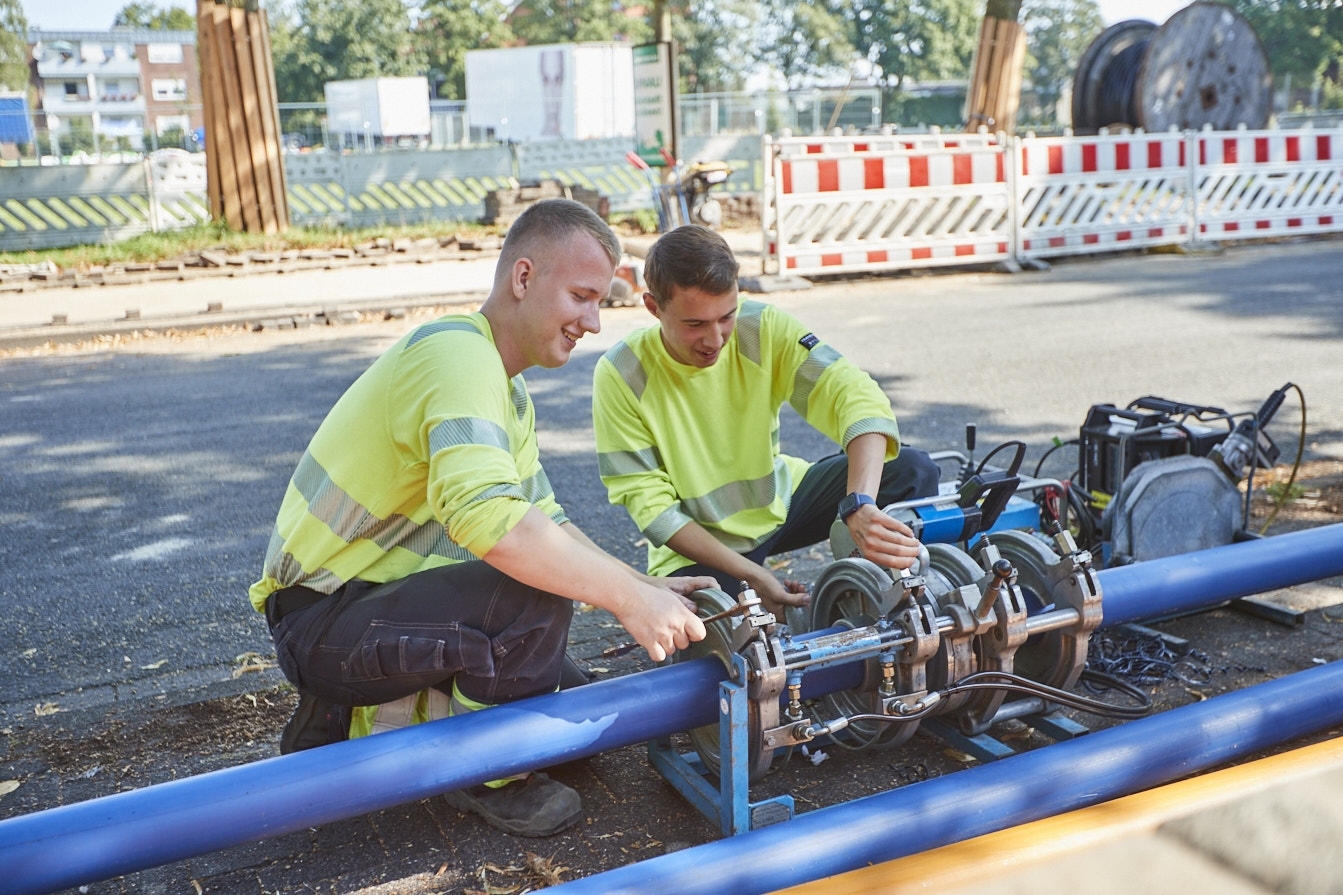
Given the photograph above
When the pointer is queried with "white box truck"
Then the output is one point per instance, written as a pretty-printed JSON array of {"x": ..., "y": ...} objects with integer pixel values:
[
  {"x": 378, "y": 111},
  {"x": 576, "y": 91}
]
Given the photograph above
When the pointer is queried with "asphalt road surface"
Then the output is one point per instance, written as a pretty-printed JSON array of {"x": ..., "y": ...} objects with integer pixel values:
[{"x": 138, "y": 484}]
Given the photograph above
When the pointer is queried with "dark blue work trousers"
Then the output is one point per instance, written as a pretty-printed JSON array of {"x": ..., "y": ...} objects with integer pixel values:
[{"x": 368, "y": 644}]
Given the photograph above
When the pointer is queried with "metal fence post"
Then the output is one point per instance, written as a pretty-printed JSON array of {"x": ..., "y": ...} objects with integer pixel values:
[
  {"x": 155, "y": 220},
  {"x": 1012, "y": 165},
  {"x": 1191, "y": 154}
]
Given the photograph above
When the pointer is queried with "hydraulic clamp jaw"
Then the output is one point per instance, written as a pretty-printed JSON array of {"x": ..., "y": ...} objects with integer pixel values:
[{"x": 902, "y": 644}]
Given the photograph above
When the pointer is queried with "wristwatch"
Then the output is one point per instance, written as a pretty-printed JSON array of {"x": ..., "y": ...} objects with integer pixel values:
[{"x": 850, "y": 504}]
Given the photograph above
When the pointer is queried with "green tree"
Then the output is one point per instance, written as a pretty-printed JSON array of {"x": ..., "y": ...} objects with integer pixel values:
[
  {"x": 316, "y": 41},
  {"x": 803, "y": 40},
  {"x": 446, "y": 29},
  {"x": 711, "y": 56},
  {"x": 14, "y": 71},
  {"x": 571, "y": 21},
  {"x": 927, "y": 41},
  {"x": 1303, "y": 39},
  {"x": 1058, "y": 32},
  {"x": 154, "y": 18}
]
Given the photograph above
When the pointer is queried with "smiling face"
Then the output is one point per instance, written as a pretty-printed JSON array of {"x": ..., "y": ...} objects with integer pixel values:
[
  {"x": 695, "y": 324},
  {"x": 560, "y": 288}
]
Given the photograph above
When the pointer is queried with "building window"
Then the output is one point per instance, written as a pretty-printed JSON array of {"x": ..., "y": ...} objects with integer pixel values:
[
  {"x": 165, "y": 123},
  {"x": 165, "y": 54},
  {"x": 169, "y": 89},
  {"x": 72, "y": 90}
]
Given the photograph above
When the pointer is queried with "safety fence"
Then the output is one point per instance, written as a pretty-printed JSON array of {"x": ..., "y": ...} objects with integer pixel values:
[
  {"x": 54, "y": 206},
  {"x": 829, "y": 204},
  {"x": 842, "y": 206}
]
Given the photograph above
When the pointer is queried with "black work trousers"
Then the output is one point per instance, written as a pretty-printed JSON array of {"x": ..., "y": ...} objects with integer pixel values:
[
  {"x": 815, "y": 505},
  {"x": 368, "y": 644}
]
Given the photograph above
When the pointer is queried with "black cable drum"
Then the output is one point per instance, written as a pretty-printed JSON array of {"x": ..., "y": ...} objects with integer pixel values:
[{"x": 1204, "y": 67}]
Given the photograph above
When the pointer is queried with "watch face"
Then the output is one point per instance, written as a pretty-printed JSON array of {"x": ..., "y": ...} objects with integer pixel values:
[{"x": 851, "y": 502}]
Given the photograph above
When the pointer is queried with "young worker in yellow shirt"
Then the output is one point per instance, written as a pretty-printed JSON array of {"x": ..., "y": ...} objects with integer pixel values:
[
  {"x": 686, "y": 416},
  {"x": 420, "y": 565}
]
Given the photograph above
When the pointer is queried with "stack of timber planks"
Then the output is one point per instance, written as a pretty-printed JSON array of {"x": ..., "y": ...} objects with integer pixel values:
[
  {"x": 244, "y": 169},
  {"x": 995, "y": 82}
]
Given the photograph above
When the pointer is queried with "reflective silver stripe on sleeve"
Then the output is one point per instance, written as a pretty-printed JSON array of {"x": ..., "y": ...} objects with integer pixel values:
[
  {"x": 668, "y": 523},
  {"x": 748, "y": 330},
  {"x": 443, "y": 326},
  {"x": 627, "y": 364},
  {"x": 817, "y": 362},
  {"x": 467, "y": 430},
  {"x": 519, "y": 395},
  {"x": 616, "y": 463},
  {"x": 867, "y": 426}
]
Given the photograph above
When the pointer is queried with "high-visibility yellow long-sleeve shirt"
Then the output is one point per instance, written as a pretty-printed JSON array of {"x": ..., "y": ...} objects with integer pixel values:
[
  {"x": 677, "y": 443},
  {"x": 429, "y": 458}
]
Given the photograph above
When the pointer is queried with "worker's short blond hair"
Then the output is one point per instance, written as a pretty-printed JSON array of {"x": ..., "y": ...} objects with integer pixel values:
[{"x": 552, "y": 221}]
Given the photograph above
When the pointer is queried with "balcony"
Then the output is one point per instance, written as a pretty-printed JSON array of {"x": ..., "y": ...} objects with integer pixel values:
[
  {"x": 107, "y": 104},
  {"x": 71, "y": 68}
]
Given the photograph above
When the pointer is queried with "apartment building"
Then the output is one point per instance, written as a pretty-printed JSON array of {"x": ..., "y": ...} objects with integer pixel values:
[{"x": 126, "y": 87}]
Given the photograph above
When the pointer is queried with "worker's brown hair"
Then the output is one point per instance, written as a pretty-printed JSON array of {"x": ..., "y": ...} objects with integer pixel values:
[{"x": 690, "y": 257}]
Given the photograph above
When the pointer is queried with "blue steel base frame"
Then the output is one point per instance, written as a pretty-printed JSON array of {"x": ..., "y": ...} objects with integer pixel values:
[{"x": 730, "y": 806}]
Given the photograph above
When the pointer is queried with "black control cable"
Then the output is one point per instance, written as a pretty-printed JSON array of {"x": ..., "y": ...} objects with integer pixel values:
[{"x": 1013, "y": 683}]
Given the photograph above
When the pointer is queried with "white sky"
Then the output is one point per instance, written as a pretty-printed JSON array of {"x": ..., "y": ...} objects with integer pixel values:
[
  {"x": 83, "y": 15},
  {"x": 97, "y": 15}
]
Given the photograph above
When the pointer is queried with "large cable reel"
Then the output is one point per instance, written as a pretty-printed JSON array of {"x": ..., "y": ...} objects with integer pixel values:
[{"x": 1205, "y": 67}]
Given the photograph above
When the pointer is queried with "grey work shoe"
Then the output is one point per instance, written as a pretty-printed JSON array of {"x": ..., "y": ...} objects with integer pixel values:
[{"x": 535, "y": 807}]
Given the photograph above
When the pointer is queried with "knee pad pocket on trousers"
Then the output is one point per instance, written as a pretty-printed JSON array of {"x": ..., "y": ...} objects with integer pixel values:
[{"x": 396, "y": 650}]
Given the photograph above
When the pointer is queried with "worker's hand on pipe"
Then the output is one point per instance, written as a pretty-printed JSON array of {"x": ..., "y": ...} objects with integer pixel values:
[
  {"x": 885, "y": 541},
  {"x": 660, "y": 620},
  {"x": 684, "y": 585}
]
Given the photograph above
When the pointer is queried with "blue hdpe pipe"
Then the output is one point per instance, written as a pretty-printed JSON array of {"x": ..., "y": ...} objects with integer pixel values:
[
  {"x": 105, "y": 837},
  {"x": 1030, "y": 786}
]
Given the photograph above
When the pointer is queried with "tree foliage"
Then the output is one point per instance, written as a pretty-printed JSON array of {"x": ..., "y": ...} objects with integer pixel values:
[
  {"x": 1058, "y": 32},
  {"x": 14, "y": 71},
  {"x": 155, "y": 18},
  {"x": 317, "y": 41},
  {"x": 803, "y": 40},
  {"x": 573, "y": 21},
  {"x": 446, "y": 29},
  {"x": 711, "y": 55},
  {"x": 924, "y": 40},
  {"x": 1303, "y": 39}
]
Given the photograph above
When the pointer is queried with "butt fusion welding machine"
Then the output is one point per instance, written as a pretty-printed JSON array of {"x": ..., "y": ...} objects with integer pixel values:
[{"x": 973, "y": 635}]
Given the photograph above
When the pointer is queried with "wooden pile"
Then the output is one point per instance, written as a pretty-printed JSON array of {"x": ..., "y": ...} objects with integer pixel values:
[
  {"x": 995, "y": 81},
  {"x": 503, "y": 206},
  {"x": 244, "y": 169}
]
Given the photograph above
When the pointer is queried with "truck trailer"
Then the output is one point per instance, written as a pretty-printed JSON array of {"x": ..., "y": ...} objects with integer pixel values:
[{"x": 576, "y": 91}]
